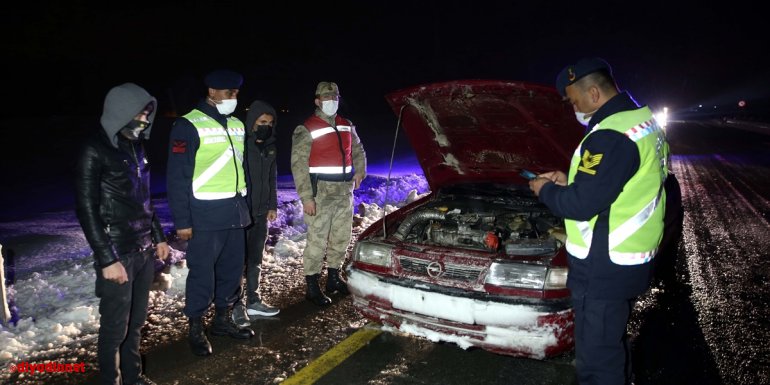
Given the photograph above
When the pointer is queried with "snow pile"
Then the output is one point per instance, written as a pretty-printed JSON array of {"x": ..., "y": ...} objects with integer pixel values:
[{"x": 56, "y": 313}]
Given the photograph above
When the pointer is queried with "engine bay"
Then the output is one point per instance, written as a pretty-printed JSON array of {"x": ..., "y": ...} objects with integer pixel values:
[{"x": 513, "y": 224}]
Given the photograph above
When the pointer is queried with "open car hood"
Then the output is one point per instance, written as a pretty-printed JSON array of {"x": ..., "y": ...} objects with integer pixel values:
[{"x": 486, "y": 130}]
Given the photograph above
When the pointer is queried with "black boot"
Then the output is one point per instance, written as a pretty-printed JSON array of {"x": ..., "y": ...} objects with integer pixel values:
[
  {"x": 198, "y": 342},
  {"x": 335, "y": 283},
  {"x": 224, "y": 326},
  {"x": 314, "y": 293}
]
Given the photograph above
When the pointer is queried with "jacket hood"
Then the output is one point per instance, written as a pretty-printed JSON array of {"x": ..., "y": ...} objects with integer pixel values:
[
  {"x": 121, "y": 105},
  {"x": 256, "y": 109}
]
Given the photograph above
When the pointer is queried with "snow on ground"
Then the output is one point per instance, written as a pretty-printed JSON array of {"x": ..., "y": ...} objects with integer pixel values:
[{"x": 55, "y": 312}]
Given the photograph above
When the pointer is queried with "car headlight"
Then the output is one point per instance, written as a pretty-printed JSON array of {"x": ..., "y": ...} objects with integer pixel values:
[
  {"x": 556, "y": 278},
  {"x": 374, "y": 253},
  {"x": 527, "y": 276}
]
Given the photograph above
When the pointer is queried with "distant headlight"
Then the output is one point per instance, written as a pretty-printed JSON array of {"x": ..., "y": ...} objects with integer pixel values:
[
  {"x": 527, "y": 276},
  {"x": 373, "y": 252},
  {"x": 662, "y": 118}
]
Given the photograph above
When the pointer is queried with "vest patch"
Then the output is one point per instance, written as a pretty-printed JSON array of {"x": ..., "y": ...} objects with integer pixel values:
[
  {"x": 179, "y": 147},
  {"x": 589, "y": 161}
]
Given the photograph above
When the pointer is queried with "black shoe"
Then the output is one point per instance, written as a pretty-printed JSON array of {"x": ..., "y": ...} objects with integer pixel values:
[
  {"x": 314, "y": 293},
  {"x": 224, "y": 326},
  {"x": 261, "y": 309},
  {"x": 198, "y": 342},
  {"x": 240, "y": 317},
  {"x": 143, "y": 380},
  {"x": 335, "y": 283}
]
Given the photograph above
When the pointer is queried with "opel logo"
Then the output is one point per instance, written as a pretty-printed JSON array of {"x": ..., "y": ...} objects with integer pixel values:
[{"x": 434, "y": 269}]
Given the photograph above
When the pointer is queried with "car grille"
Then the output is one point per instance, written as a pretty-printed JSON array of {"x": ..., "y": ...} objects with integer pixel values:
[{"x": 450, "y": 271}]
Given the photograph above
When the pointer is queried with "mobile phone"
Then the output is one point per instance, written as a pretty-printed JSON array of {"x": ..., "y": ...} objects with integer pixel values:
[{"x": 528, "y": 174}]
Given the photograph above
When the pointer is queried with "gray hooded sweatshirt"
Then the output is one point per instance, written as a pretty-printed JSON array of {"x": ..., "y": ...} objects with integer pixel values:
[{"x": 121, "y": 105}]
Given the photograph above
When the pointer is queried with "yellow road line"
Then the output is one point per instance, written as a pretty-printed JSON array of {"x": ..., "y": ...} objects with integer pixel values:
[{"x": 332, "y": 358}]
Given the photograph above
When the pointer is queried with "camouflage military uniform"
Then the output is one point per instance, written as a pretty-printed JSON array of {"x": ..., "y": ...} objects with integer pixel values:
[{"x": 331, "y": 226}]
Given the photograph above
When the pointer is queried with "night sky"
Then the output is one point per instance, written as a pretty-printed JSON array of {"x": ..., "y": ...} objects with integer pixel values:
[{"x": 65, "y": 55}]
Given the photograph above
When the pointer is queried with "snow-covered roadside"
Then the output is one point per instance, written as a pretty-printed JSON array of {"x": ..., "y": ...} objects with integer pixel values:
[{"x": 56, "y": 313}]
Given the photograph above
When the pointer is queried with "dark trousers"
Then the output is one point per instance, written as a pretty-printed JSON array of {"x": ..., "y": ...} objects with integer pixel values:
[
  {"x": 215, "y": 263},
  {"x": 123, "y": 310},
  {"x": 602, "y": 352},
  {"x": 256, "y": 235}
]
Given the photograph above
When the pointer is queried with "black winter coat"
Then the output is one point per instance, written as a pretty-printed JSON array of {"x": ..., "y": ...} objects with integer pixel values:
[{"x": 113, "y": 201}]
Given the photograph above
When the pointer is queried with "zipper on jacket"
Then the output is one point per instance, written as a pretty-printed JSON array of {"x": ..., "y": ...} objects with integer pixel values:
[{"x": 136, "y": 160}]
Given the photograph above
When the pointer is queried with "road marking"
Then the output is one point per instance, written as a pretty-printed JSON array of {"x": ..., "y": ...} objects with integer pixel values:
[{"x": 335, "y": 356}]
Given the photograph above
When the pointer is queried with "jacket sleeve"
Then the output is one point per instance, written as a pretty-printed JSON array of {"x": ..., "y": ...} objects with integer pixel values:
[
  {"x": 272, "y": 203},
  {"x": 157, "y": 230},
  {"x": 87, "y": 198},
  {"x": 359, "y": 155},
  {"x": 183, "y": 144},
  {"x": 590, "y": 194},
  {"x": 301, "y": 142}
]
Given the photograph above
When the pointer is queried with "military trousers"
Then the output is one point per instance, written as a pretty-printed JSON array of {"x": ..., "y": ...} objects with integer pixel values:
[
  {"x": 602, "y": 352},
  {"x": 329, "y": 230},
  {"x": 215, "y": 263}
]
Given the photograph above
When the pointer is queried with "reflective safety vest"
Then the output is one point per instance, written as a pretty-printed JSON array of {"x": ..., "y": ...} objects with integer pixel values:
[
  {"x": 217, "y": 175},
  {"x": 330, "y": 152},
  {"x": 636, "y": 216}
]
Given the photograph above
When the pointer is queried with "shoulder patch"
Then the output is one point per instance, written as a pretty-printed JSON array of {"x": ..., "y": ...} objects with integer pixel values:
[
  {"x": 179, "y": 147},
  {"x": 588, "y": 162}
]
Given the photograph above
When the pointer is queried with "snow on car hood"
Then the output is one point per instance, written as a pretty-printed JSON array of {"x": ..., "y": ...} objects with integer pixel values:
[{"x": 486, "y": 130}]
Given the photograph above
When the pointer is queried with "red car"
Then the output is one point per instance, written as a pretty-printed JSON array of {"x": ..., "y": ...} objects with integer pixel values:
[{"x": 478, "y": 261}]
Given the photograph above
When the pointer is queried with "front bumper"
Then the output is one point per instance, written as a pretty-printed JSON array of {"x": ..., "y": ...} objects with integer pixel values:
[{"x": 522, "y": 330}]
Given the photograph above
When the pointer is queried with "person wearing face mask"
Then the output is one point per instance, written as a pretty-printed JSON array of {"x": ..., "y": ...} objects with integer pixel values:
[
  {"x": 261, "y": 177},
  {"x": 613, "y": 200},
  {"x": 207, "y": 191},
  {"x": 327, "y": 163},
  {"x": 114, "y": 208}
]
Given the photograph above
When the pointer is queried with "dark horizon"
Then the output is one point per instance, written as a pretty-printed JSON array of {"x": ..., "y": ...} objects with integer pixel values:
[{"x": 66, "y": 56}]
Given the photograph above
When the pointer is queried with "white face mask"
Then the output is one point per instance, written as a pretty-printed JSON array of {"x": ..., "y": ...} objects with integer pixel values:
[
  {"x": 582, "y": 118},
  {"x": 134, "y": 129},
  {"x": 137, "y": 131},
  {"x": 227, "y": 106},
  {"x": 329, "y": 107}
]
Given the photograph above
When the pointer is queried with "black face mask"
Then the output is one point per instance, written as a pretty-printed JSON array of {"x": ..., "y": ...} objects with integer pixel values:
[
  {"x": 263, "y": 131},
  {"x": 133, "y": 130}
]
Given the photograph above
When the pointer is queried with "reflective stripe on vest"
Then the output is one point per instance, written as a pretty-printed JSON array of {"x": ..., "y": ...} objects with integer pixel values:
[
  {"x": 328, "y": 130},
  {"x": 216, "y": 174},
  {"x": 633, "y": 224}
]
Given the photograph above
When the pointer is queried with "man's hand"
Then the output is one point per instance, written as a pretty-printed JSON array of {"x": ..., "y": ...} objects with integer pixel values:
[
  {"x": 184, "y": 234},
  {"x": 272, "y": 215},
  {"x": 162, "y": 250},
  {"x": 536, "y": 184},
  {"x": 357, "y": 181},
  {"x": 309, "y": 207},
  {"x": 557, "y": 177},
  {"x": 115, "y": 273}
]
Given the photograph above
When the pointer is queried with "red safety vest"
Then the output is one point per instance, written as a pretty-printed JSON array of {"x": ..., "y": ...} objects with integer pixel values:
[{"x": 325, "y": 155}]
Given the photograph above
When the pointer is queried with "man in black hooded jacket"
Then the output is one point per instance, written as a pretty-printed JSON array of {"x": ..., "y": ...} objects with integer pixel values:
[
  {"x": 114, "y": 208},
  {"x": 259, "y": 161}
]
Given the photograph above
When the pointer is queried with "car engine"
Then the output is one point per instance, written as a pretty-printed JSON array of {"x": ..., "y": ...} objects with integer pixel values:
[{"x": 513, "y": 226}]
